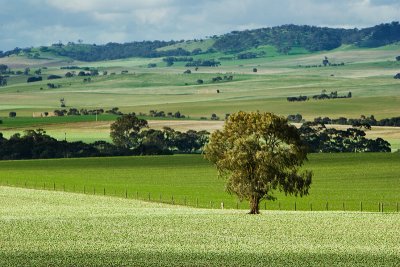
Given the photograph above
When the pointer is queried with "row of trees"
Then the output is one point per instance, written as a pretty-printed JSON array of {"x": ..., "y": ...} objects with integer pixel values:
[
  {"x": 36, "y": 144},
  {"x": 203, "y": 63},
  {"x": 366, "y": 121},
  {"x": 322, "y": 96},
  {"x": 319, "y": 138}
]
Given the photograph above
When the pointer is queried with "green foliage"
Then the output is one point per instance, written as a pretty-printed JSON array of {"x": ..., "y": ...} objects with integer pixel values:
[
  {"x": 125, "y": 131},
  {"x": 310, "y": 37},
  {"x": 259, "y": 153}
]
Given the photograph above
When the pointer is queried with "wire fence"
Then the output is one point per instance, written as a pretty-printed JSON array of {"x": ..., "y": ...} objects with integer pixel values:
[{"x": 204, "y": 202}]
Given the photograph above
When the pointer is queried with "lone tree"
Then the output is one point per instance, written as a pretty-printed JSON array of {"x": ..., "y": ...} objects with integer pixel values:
[
  {"x": 259, "y": 153},
  {"x": 125, "y": 131}
]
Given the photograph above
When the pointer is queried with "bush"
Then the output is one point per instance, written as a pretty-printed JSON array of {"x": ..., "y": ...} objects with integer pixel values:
[
  {"x": 52, "y": 77},
  {"x": 34, "y": 79},
  {"x": 12, "y": 114}
]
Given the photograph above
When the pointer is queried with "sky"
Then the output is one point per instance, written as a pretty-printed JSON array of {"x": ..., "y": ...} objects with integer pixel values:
[{"x": 26, "y": 23}]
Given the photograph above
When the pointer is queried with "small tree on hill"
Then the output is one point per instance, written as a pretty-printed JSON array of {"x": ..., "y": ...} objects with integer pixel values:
[{"x": 259, "y": 153}]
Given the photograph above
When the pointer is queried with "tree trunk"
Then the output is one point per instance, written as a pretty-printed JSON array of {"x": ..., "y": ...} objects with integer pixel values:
[{"x": 254, "y": 205}]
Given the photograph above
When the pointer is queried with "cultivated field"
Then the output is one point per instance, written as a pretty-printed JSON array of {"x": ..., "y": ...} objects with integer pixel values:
[
  {"x": 41, "y": 228},
  {"x": 367, "y": 73},
  {"x": 341, "y": 181}
]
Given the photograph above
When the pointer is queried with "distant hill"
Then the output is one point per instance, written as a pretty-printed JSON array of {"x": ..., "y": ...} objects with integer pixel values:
[
  {"x": 284, "y": 38},
  {"x": 309, "y": 37}
]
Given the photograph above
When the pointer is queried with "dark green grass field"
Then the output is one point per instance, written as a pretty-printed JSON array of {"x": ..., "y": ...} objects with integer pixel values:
[{"x": 341, "y": 181}]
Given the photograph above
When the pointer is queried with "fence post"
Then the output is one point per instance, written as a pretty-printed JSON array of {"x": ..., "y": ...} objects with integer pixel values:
[
  {"x": 310, "y": 206},
  {"x": 197, "y": 202},
  {"x": 172, "y": 199},
  {"x": 222, "y": 205},
  {"x": 84, "y": 189},
  {"x": 265, "y": 205},
  {"x": 379, "y": 208},
  {"x": 382, "y": 206},
  {"x": 104, "y": 191},
  {"x": 397, "y": 206},
  {"x": 54, "y": 186},
  {"x": 361, "y": 208},
  {"x": 126, "y": 193},
  {"x": 137, "y": 195},
  {"x": 295, "y": 206},
  {"x": 25, "y": 184},
  {"x": 327, "y": 208}
]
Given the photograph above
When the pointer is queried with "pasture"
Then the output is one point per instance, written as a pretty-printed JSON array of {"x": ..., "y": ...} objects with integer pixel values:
[
  {"x": 367, "y": 73},
  {"x": 341, "y": 181},
  {"x": 42, "y": 228}
]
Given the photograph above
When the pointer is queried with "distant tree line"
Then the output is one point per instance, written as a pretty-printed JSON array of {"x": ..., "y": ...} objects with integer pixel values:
[
  {"x": 363, "y": 121},
  {"x": 309, "y": 37},
  {"x": 36, "y": 144},
  {"x": 318, "y": 138},
  {"x": 284, "y": 38},
  {"x": 322, "y": 96},
  {"x": 171, "y": 60},
  {"x": 203, "y": 63}
]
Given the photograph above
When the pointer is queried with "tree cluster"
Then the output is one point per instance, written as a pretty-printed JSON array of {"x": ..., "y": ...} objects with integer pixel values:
[
  {"x": 323, "y": 95},
  {"x": 310, "y": 37},
  {"x": 364, "y": 121},
  {"x": 171, "y": 60},
  {"x": 319, "y": 138},
  {"x": 36, "y": 144},
  {"x": 203, "y": 63},
  {"x": 219, "y": 78},
  {"x": 34, "y": 79},
  {"x": 131, "y": 132},
  {"x": 87, "y": 52}
]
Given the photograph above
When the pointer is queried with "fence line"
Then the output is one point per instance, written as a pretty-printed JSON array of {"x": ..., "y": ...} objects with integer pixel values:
[{"x": 382, "y": 206}]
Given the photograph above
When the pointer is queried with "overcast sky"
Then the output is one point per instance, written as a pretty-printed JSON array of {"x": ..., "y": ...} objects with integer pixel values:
[{"x": 25, "y": 23}]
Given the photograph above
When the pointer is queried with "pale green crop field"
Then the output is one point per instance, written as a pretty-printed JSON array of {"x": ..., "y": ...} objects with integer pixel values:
[{"x": 41, "y": 228}]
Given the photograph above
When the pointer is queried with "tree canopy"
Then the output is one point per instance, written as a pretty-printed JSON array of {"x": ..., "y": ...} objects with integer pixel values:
[
  {"x": 125, "y": 131},
  {"x": 259, "y": 153}
]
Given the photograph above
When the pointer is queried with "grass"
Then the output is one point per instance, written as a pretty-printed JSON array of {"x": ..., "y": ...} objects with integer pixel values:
[
  {"x": 42, "y": 228},
  {"x": 342, "y": 180},
  {"x": 367, "y": 74}
]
